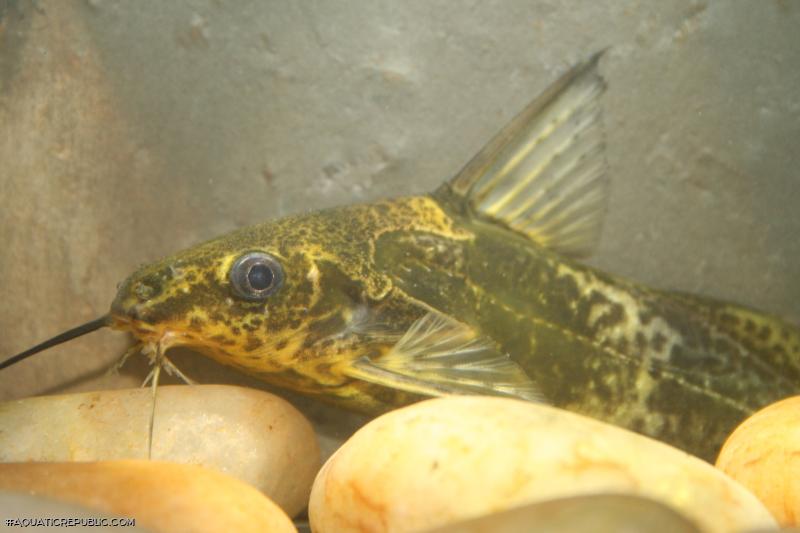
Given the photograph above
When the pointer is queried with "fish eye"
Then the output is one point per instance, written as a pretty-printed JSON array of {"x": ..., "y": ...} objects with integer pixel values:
[{"x": 255, "y": 275}]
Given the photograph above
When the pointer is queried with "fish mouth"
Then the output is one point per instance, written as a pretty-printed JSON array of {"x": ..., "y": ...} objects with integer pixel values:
[
  {"x": 138, "y": 329},
  {"x": 153, "y": 343},
  {"x": 152, "y": 338}
]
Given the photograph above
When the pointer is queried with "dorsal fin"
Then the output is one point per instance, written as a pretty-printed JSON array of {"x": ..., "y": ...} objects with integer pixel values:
[{"x": 544, "y": 174}]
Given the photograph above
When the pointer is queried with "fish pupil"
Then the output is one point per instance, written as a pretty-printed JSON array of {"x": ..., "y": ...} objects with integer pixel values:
[
  {"x": 255, "y": 275},
  {"x": 260, "y": 277}
]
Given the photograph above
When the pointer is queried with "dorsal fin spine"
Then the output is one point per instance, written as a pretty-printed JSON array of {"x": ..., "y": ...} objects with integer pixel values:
[{"x": 543, "y": 175}]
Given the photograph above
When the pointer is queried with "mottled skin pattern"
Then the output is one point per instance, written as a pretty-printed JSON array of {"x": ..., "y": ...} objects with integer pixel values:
[
  {"x": 334, "y": 306},
  {"x": 677, "y": 367}
]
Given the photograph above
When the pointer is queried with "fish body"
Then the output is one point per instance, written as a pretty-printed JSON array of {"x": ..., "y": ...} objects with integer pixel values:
[
  {"x": 684, "y": 369},
  {"x": 472, "y": 289}
]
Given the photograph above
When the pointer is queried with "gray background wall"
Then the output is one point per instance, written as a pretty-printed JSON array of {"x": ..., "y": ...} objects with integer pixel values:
[{"x": 129, "y": 130}]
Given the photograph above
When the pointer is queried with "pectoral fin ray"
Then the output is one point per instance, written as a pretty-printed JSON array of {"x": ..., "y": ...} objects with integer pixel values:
[{"x": 438, "y": 356}]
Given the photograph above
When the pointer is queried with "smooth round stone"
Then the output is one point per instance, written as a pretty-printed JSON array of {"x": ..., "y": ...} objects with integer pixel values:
[
  {"x": 162, "y": 497},
  {"x": 763, "y": 454},
  {"x": 250, "y": 434},
  {"x": 594, "y": 513},
  {"x": 450, "y": 459}
]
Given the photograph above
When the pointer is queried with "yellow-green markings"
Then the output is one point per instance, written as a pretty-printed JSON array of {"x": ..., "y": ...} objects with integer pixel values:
[{"x": 473, "y": 289}]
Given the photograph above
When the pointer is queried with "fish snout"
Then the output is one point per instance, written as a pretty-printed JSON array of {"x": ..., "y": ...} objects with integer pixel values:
[{"x": 133, "y": 296}]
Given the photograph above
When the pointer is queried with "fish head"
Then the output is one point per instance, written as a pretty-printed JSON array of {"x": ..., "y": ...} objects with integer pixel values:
[{"x": 267, "y": 299}]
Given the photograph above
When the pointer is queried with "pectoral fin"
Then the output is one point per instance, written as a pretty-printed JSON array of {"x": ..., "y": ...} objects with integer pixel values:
[{"x": 439, "y": 356}]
